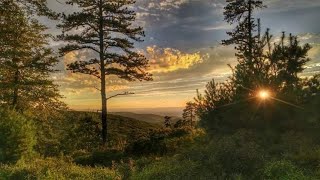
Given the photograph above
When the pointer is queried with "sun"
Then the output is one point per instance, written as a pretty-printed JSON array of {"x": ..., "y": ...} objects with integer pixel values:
[{"x": 264, "y": 94}]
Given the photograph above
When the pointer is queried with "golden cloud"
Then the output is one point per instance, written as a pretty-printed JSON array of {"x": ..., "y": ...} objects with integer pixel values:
[
  {"x": 168, "y": 59},
  {"x": 78, "y": 83}
]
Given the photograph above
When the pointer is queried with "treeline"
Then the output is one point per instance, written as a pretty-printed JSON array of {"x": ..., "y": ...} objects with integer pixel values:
[{"x": 264, "y": 121}]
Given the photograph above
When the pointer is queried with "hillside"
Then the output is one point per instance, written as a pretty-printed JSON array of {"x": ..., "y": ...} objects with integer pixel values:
[
  {"x": 119, "y": 127},
  {"x": 149, "y": 118}
]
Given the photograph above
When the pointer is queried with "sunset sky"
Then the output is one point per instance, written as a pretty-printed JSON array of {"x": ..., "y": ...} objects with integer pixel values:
[{"x": 182, "y": 42}]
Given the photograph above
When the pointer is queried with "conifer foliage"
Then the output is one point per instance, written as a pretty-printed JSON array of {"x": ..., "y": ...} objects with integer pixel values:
[
  {"x": 34, "y": 7},
  {"x": 106, "y": 29},
  {"x": 241, "y": 12},
  {"x": 25, "y": 61},
  {"x": 189, "y": 113}
]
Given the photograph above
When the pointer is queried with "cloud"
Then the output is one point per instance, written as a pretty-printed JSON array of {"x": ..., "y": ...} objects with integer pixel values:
[
  {"x": 182, "y": 38},
  {"x": 276, "y": 5},
  {"x": 164, "y": 4},
  {"x": 221, "y": 26},
  {"x": 168, "y": 59}
]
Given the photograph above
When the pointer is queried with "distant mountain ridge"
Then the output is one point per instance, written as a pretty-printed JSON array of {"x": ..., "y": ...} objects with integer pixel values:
[{"x": 149, "y": 118}]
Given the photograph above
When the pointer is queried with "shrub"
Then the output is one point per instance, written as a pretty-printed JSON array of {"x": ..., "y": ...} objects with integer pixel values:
[
  {"x": 103, "y": 158},
  {"x": 239, "y": 154},
  {"x": 168, "y": 169},
  {"x": 152, "y": 144},
  {"x": 17, "y": 136},
  {"x": 282, "y": 170}
]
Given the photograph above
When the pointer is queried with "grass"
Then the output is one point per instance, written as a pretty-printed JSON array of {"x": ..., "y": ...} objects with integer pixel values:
[{"x": 52, "y": 169}]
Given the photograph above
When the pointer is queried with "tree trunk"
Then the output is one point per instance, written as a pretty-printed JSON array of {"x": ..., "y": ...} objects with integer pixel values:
[
  {"x": 104, "y": 110},
  {"x": 250, "y": 33},
  {"x": 103, "y": 78}
]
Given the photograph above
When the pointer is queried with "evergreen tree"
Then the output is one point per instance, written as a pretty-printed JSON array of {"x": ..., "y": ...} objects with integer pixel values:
[
  {"x": 167, "y": 121},
  {"x": 32, "y": 7},
  {"x": 25, "y": 62},
  {"x": 105, "y": 28},
  {"x": 189, "y": 113},
  {"x": 240, "y": 12}
]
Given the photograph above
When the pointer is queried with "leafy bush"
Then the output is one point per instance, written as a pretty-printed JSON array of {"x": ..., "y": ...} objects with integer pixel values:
[
  {"x": 151, "y": 144},
  {"x": 84, "y": 134},
  {"x": 17, "y": 137},
  {"x": 163, "y": 141},
  {"x": 169, "y": 169}
]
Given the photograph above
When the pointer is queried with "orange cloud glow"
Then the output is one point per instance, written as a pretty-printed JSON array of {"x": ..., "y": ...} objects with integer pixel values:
[{"x": 168, "y": 59}]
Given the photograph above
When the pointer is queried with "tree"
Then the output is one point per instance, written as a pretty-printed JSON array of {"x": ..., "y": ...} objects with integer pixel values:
[
  {"x": 25, "y": 62},
  {"x": 32, "y": 7},
  {"x": 105, "y": 28},
  {"x": 17, "y": 137},
  {"x": 240, "y": 12},
  {"x": 180, "y": 123},
  {"x": 189, "y": 113},
  {"x": 167, "y": 121}
]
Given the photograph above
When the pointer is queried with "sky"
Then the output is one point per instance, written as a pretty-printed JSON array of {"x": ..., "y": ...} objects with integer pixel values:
[{"x": 183, "y": 45}]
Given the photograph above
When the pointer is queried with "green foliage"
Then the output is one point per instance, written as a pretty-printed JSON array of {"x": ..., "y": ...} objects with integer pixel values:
[
  {"x": 17, "y": 137},
  {"x": 163, "y": 141},
  {"x": 82, "y": 133},
  {"x": 38, "y": 7},
  {"x": 26, "y": 62},
  {"x": 102, "y": 158},
  {"x": 239, "y": 154},
  {"x": 283, "y": 170},
  {"x": 48, "y": 169},
  {"x": 79, "y": 134},
  {"x": 189, "y": 113},
  {"x": 170, "y": 169},
  {"x": 151, "y": 144}
]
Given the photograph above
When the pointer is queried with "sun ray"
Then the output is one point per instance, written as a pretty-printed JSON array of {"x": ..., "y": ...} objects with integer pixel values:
[
  {"x": 237, "y": 102},
  {"x": 288, "y": 103}
]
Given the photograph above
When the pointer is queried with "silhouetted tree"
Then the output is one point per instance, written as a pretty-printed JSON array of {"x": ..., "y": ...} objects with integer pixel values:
[
  {"x": 25, "y": 62},
  {"x": 105, "y": 28},
  {"x": 167, "y": 121},
  {"x": 178, "y": 124},
  {"x": 244, "y": 37},
  {"x": 189, "y": 113},
  {"x": 241, "y": 12},
  {"x": 33, "y": 7}
]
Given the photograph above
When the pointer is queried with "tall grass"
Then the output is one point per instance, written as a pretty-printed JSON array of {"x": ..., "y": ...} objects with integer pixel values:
[{"x": 55, "y": 169}]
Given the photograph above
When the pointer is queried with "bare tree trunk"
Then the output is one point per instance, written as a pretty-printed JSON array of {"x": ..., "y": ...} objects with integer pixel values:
[
  {"x": 103, "y": 79},
  {"x": 250, "y": 33},
  {"x": 104, "y": 111}
]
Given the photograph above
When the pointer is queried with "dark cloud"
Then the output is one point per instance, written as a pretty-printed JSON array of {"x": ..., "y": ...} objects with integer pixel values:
[{"x": 188, "y": 28}]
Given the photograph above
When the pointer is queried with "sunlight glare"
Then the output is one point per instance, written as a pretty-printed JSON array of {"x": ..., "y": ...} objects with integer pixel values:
[{"x": 263, "y": 94}]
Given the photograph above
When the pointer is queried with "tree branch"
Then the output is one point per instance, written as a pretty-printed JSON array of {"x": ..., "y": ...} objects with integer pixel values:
[{"x": 120, "y": 94}]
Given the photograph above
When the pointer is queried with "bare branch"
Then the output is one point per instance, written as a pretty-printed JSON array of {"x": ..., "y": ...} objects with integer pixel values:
[{"x": 120, "y": 94}]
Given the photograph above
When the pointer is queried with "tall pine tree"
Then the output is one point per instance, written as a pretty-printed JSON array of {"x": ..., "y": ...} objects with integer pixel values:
[
  {"x": 244, "y": 37},
  {"x": 241, "y": 12},
  {"x": 25, "y": 62},
  {"x": 189, "y": 113},
  {"x": 105, "y": 28}
]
